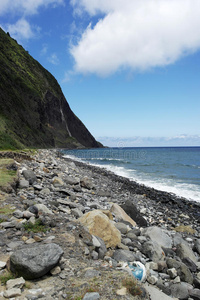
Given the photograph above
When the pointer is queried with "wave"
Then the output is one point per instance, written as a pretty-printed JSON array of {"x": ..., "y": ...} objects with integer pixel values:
[{"x": 171, "y": 184}]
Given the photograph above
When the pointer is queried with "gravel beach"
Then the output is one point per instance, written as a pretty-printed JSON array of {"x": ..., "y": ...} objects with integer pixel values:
[{"x": 95, "y": 223}]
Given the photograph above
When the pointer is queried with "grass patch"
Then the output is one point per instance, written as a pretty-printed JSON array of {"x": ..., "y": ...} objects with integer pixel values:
[
  {"x": 37, "y": 227},
  {"x": 6, "y": 210},
  {"x": 7, "y": 177},
  {"x": 6, "y": 276},
  {"x": 132, "y": 286}
]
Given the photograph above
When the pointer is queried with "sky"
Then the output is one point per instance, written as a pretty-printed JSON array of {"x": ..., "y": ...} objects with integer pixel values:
[{"x": 129, "y": 69}]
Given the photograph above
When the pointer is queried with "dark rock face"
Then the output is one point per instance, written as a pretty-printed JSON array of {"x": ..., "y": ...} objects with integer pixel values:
[
  {"x": 32, "y": 105},
  {"x": 133, "y": 212},
  {"x": 34, "y": 261}
]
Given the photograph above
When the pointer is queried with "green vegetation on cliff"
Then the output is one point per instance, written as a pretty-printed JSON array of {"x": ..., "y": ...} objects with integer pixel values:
[{"x": 33, "y": 110}]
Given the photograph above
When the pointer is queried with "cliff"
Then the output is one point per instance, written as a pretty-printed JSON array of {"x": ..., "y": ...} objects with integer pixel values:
[{"x": 33, "y": 109}]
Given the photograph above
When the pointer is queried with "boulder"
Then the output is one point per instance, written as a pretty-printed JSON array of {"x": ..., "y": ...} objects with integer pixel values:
[
  {"x": 134, "y": 213},
  {"x": 34, "y": 261},
  {"x": 30, "y": 176},
  {"x": 86, "y": 183},
  {"x": 195, "y": 294},
  {"x": 197, "y": 246},
  {"x": 159, "y": 236},
  {"x": 182, "y": 270},
  {"x": 124, "y": 255},
  {"x": 183, "y": 251},
  {"x": 153, "y": 251},
  {"x": 121, "y": 214},
  {"x": 179, "y": 291},
  {"x": 99, "y": 224}
]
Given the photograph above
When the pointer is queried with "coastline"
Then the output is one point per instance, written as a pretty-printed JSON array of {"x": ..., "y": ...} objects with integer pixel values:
[
  {"x": 171, "y": 200},
  {"x": 60, "y": 191}
]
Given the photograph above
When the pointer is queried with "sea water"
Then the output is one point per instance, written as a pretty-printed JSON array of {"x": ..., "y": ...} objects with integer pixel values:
[{"x": 172, "y": 169}]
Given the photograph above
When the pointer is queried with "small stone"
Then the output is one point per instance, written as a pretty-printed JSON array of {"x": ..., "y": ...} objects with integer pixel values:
[
  {"x": 55, "y": 271},
  {"x": 12, "y": 293},
  {"x": 30, "y": 241},
  {"x": 32, "y": 221},
  {"x": 23, "y": 183},
  {"x": 91, "y": 296},
  {"x": 152, "y": 279},
  {"x": 95, "y": 242},
  {"x": 172, "y": 273},
  {"x": 45, "y": 191},
  {"x": 2, "y": 264},
  {"x": 18, "y": 214},
  {"x": 15, "y": 283},
  {"x": 27, "y": 214},
  {"x": 121, "y": 227},
  {"x": 42, "y": 208},
  {"x": 94, "y": 255},
  {"x": 122, "y": 291}
]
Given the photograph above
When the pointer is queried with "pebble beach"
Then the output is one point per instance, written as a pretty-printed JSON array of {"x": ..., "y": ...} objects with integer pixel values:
[{"x": 68, "y": 197}]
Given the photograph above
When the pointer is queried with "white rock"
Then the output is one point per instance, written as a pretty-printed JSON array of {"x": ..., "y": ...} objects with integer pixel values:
[
  {"x": 2, "y": 264},
  {"x": 12, "y": 293},
  {"x": 15, "y": 283}
]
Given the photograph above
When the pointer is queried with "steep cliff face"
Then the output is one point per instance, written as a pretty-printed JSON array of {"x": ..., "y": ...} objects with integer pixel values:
[{"x": 33, "y": 109}]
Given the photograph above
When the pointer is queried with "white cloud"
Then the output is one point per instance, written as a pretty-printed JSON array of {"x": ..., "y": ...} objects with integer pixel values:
[
  {"x": 20, "y": 30},
  {"x": 25, "y": 7},
  {"x": 136, "y": 34},
  {"x": 137, "y": 141},
  {"x": 54, "y": 59}
]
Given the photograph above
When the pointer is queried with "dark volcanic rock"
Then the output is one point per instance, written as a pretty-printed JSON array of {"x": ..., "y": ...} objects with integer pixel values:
[
  {"x": 133, "y": 212},
  {"x": 34, "y": 261}
]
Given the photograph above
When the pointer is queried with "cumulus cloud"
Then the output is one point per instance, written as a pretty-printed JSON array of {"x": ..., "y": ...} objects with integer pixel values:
[
  {"x": 27, "y": 7},
  {"x": 138, "y": 35},
  {"x": 20, "y": 30}
]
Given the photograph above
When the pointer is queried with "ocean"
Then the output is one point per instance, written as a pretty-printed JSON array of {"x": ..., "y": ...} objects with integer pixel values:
[{"x": 171, "y": 169}]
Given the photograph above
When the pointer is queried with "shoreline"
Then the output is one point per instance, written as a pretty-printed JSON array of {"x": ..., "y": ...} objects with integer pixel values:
[
  {"x": 60, "y": 192},
  {"x": 157, "y": 196}
]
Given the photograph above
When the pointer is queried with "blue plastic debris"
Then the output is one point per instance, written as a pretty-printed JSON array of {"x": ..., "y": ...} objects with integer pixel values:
[{"x": 138, "y": 270}]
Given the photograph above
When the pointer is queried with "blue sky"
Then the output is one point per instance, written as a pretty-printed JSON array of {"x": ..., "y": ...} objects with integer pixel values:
[{"x": 130, "y": 69}]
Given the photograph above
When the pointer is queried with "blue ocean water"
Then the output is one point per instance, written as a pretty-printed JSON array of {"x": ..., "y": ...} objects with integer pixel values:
[{"x": 171, "y": 169}]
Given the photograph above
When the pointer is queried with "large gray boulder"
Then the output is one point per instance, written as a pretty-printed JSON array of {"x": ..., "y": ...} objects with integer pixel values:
[
  {"x": 124, "y": 255},
  {"x": 159, "y": 236},
  {"x": 179, "y": 291},
  {"x": 34, "y": 261},
  {"x": 183, "y": 251},
  {"x": 30, "y": 176},
  {"x": 182, "y": 270},
  {"x": 153, "y": 251}
]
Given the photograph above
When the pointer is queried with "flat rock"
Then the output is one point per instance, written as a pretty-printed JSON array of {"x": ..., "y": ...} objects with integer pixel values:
[
  {"x": 124, "y": 255},
  {"x": 12, "y": 293},
  {"x": 183, "y": 251},
  {"x": 91, "y": 296},
  {"x": 156, "y": 294},
  {"x": 159, "y": 236},
  {"x": 121, "y": 214},
  {"x": 15, "y": 283},
  {"x": 34, "y": 261},
  {"x": 153, "y": 251}
]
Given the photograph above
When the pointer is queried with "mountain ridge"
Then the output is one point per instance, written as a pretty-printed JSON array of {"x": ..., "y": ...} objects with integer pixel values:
[{"x": 33, "y": 110}]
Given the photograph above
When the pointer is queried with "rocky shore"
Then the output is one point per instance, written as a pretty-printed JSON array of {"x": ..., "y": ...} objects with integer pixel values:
[{"x": 70, "y": 231}]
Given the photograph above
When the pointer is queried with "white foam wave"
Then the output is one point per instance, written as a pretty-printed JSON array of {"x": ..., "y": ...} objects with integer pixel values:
[{"x": 188, "y": 191}]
